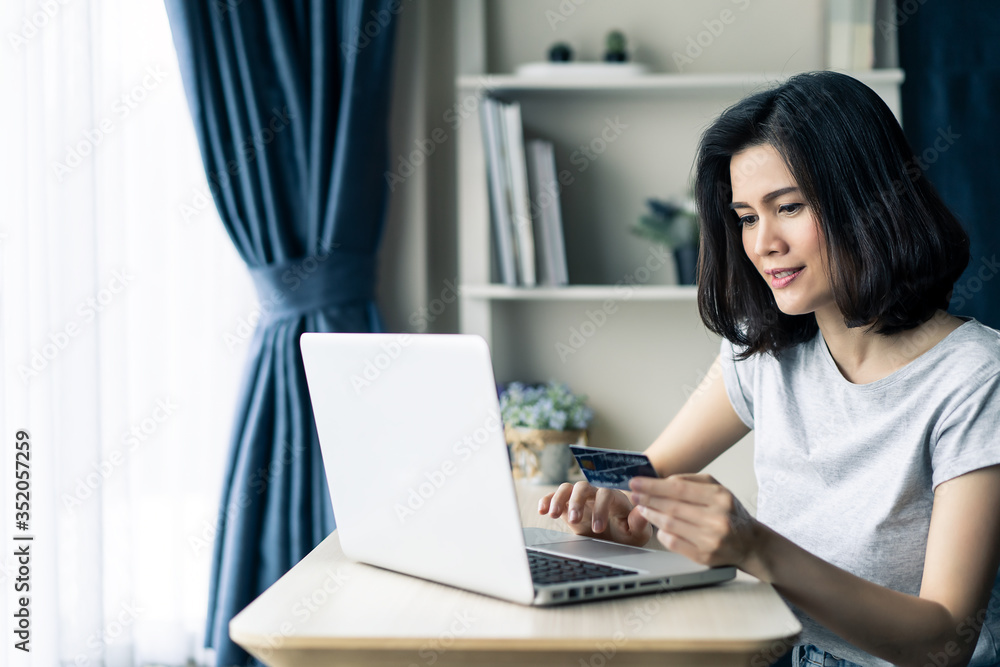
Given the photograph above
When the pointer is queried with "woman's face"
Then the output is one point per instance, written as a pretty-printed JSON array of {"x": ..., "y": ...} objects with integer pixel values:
[{"x": 781, "y": 235}]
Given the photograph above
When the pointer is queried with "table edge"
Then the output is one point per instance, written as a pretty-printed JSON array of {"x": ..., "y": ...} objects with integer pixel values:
[{"x": 551, "y": 644}]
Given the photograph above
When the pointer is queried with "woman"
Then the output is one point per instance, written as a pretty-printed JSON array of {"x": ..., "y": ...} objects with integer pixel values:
[{"x": 827, "y": 262}]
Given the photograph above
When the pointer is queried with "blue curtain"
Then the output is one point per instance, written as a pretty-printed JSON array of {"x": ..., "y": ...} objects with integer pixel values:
[
  {"x": 290, "y": 101},
  {"x": 951, "y": 56}
]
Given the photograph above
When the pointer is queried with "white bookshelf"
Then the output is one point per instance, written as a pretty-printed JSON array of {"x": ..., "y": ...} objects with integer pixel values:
[{"x": 643, "y": 346}]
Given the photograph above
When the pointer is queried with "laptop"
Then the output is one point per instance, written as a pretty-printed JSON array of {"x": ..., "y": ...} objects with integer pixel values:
[{"x": 420, "y": 477}]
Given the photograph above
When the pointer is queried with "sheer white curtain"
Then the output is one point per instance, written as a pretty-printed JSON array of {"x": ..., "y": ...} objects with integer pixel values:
[{"x": 124, "y": 314}]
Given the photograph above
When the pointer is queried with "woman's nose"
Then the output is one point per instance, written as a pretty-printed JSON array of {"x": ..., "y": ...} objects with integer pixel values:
[{"x": 768, "y": 240}]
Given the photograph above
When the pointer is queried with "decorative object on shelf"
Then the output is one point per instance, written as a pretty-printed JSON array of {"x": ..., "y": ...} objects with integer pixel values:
[
  {"x": 675, "y": 225},
  {"x": 540, "y": 422},
  {"x": 614, "y": 47},
  {"x": 560, "y": 52}
]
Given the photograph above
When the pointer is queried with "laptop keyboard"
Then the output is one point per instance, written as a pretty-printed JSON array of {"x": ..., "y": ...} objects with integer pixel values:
[{"x": 550, "y": 569}]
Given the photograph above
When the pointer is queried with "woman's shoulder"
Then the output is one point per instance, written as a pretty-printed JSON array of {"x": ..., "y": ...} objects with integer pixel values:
[
  {"x": 963, "y": 366},
  {"x": 947, "y": 356},
  {"x": 974, "y": 349},
  {"x": 977, "y": 330}
]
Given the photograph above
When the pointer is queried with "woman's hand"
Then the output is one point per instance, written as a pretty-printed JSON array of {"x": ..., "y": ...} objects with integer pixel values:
[
  {"x": 698, "y": 518},
  {"x": 603, "y": 513}
]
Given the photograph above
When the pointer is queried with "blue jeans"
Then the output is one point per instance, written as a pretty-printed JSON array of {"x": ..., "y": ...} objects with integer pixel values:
[{"x": 810, "y": 656}]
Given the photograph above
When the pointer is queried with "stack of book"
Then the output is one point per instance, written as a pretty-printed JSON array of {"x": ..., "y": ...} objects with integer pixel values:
[{"x": 524, "y": 200}]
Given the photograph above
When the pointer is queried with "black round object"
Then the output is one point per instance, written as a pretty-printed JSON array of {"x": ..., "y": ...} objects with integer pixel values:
[{"x": 560, "y": 53}]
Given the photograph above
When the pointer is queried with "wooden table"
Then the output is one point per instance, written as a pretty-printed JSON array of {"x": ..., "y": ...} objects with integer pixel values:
[{"x": 328, "y": 610}]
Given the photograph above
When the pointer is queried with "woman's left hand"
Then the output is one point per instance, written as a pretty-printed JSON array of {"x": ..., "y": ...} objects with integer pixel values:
[{"x": 698, "y": 518}]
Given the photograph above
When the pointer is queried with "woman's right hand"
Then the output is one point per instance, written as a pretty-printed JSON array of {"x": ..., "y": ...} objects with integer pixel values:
[{"x": 606, "y": 514}]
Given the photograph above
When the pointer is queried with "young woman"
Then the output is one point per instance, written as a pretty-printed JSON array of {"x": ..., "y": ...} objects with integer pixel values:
[{"x": 827, "y": 262}]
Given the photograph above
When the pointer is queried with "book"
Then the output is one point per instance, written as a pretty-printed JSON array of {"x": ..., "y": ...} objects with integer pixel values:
[
  {"x": 497, "y": 177},
  {"x": 547, "y": 213},
  {"x": 520, "y": 207},
  {"x": 850, "y": 34},
  {"x": 539, "y": 196},
  {"x": 839, "y": 34},
  {"x": 863, "y": 55},
  {"x": 886, "y": 48}
]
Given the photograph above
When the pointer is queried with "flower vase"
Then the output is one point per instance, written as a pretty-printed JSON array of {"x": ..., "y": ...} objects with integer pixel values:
[{"x": 542, "y": 456}]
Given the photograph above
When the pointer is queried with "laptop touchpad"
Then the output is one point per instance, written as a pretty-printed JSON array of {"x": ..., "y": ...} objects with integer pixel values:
[{"x": 594, "y": 549}]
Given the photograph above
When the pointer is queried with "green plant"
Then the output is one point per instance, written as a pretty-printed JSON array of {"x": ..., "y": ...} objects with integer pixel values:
[
  {"x": 674, "y": 225},
  {"x": 547, "y": 406}
]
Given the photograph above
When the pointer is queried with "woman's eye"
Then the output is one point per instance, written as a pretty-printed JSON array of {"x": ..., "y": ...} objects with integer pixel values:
[
  {"x": 790, "y": 209},
  {"x": 747, "y": 220}
]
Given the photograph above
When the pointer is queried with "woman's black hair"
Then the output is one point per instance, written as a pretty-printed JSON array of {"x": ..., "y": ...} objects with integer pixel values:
[{"x": 895, "y": 250}]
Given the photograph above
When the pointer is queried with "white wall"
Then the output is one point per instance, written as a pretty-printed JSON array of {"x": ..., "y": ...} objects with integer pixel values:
[{"x": 418, "y": 257}]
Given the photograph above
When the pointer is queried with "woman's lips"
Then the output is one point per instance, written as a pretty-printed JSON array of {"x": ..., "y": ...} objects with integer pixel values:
[{"x": 782, "y": 278}]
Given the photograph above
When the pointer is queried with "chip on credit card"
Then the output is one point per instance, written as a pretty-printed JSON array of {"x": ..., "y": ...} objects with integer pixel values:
[{"x": 611, "y": 468}]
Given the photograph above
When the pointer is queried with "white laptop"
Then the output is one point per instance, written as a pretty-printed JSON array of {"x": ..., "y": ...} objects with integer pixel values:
[{"x": 420, "y": 478}]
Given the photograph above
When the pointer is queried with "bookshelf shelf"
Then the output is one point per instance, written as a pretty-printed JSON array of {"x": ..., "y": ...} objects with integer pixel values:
[
  {"x": 582, "y": 293},
  {"x": 509, "y": 84}
]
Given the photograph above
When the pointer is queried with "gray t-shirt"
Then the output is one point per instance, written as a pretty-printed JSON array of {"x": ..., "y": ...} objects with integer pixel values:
[{"x": 848, "y": 471}]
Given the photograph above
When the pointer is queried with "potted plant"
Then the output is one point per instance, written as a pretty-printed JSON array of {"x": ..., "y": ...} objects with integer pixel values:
[
  {"x": 675, "y": 226},
  {"x": 540, "y": 422}
]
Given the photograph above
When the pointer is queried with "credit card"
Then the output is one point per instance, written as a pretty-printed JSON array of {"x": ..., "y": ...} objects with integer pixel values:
[{"x": 611, "y": 468}]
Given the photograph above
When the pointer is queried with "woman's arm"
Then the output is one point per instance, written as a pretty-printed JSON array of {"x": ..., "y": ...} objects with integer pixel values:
[{"x": 702, "y": 520}]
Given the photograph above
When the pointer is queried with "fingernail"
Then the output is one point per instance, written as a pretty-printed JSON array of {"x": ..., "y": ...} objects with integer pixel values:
[
  {"x": 598, "y": 525},
  {"x": 642, "y": 510},
  {"x": 635, "y": 498},
  {"x": 574, "y": 516},
  {"x": 540, "y": 504}
]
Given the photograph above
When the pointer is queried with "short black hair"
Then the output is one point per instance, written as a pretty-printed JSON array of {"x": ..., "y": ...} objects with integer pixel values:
[{"x": 895, "y": 249}]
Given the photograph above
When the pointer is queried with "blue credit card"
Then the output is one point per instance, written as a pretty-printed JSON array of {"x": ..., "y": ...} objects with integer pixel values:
[{"x": 611, "y": 468}]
